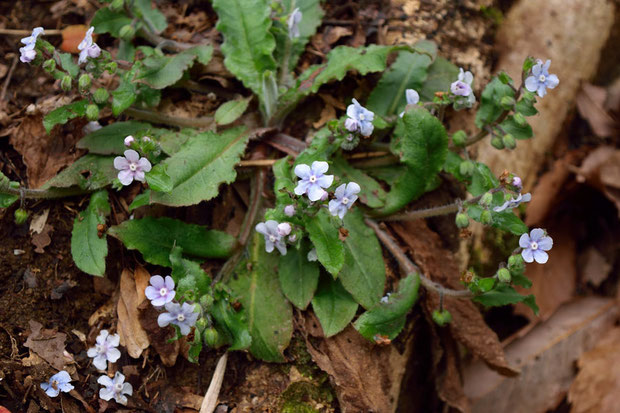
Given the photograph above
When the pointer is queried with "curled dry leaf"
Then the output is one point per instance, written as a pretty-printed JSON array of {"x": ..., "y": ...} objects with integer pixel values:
[
  {"x": 591, "y": 106},
  {"x": 48, "y": 344},
  {"x": 601, "y": 169},
  {"x": 133, "y": 336},
  {"x": 159, "y": 337}
]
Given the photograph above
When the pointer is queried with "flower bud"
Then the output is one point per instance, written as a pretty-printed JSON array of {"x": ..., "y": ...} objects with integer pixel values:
[
  {"x": 92, "y": 112},
  {"x": 65, "y": 83},
  {"x": 497, "y": 143},
  {"x": 509, "y": 141},
  {"x": 520, "y": 119},
  {"x": 486, "y": 199},
  {"x": 486, "y": 218},
  {"x": 516, "y": 263},
  {"x": 129, "y": 140},
  {"x": 84, "y": 83},
  {"x": 507, "y": 102},
  {"x": 517, "y": 183},
  {"x": 461, "y": 220},
  {"x": 289, "y": 210},
  {"x": 284, "y": 229},
  {"x": 459, "y": 138},
  {"x": 466, "y": 168},
  {"x": 292, "y": 238},
  {"x": 49, "y": 65},
  {"x": 503, "y": 275},
  {"x": 21, "y": 215},
  {"x": 127, "y": 32},
  {"x": 206, "y": 301},
  {"x": 202, "y": 323},
  {"x": 101, "y": 95},
  {"x": 442, "y": 318},
  {"x": 211, "y": 337}
]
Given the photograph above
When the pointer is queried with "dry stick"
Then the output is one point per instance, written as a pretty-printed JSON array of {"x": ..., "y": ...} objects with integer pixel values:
[
  {"x": 18, "y": 32},
  {"x": 410, "y": 267},
  {"x": 210, "y": 401},
  {"x": 8, "y": 78},
  {"x": 157, "y": 117},
  {"x": 434, "y": 211}
]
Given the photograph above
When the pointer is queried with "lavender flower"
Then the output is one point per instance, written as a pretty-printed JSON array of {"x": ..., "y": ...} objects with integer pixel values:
[
  {"x": 293, "y": 23},
  {"x": 346, "y": 195},
  {"x": 131, "y": 167},
  {"x": 541, "y": 79},
  {"x": 313, "y": 180},
  {"x": 283, "y": 229},
  {"x": 105, "y": 350},
  {"x": 412, "y": 97},
  {"x": 272, "y": 236},
  {"x": 517, "y": 183},
  {"x": 115, "y": 388},
  {"x": 161, "y": 291},
  {"x": 129, "y": 140},
  {"x": 462, "y": 89},
  {"x": 513, "y": 203},
  {"x": 87, "y": 48},
  {"x": 183, "y": 317},
  {"x": 535, "y": 245},
  {"x": 360, "y": 119},
  {"x": 59, "y": 382},
  {"x": 289, "y": 210},
  {"x": 27, "y": 52}
]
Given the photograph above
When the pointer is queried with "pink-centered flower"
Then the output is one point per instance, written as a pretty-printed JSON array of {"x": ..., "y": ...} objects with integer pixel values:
[
  {"x": 131, "y": 167},
  {"x": 28, "y": 52},
  {"x": 161, "y": 291},
  {"x": 115, "y": 388},
  {"x": 105, "y": 350}
]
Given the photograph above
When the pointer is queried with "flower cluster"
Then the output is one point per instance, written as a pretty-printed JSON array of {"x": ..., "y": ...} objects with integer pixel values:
[
  {"x": 274, "y": 234},
  {"x": 540, "y": 79},
  {"x": 131, "y": 167},
  {"x": 161, "y": 293},
  {"x": 359, "y": 119},
  {"x": 88, "y": 48},
  {"x": 27, "y": 52}
]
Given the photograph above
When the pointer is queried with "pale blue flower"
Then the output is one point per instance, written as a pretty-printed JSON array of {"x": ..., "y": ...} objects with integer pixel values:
[
  {"x": 272, "y": 236},
  {"x": 182, "y": 316},
  {"x": 105, "y": 350},
  {"x": 87, "y": 48},
  {"x": 131, "y": 167},
  {"x": 513, "y": 203},
  {"x": 161, "y": 291},
  {"x": 360, "y": 119},
  {"x": 115, "y": 388},
  {"x": 293, "y": 23},
  {"x": 346, "y": 195},
  {"x": 535, "y": 245},
  {"x": 313, "y": 180},
  {"x": 412, "y": 97},
  {"x": 27, "y": 52},
  {"x": 59, "y": 382},
  {"x": 541, "y": 79}
]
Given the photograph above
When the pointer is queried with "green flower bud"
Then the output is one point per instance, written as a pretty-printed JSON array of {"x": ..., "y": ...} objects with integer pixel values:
[
  {"x": 211, "y": 337},
  {"x": 21, "y": 215},
  {"x": 497, "y": 143},
  {"x": 127, "y": 32},
  {"x": 516, "y": 264},
  {"x": 49, "y": 65},
  {"x": 442, "y": 318},
  {"x": 65, "y": 83},
  {"x": 92, "y": 112},
  {"x": 206, "y": 301},
  {"x": 111, "y": 67},
  {"x": 459, "y": 138},
  {"x": 101, "y": 95},
  {"x": 507, "y": 102},
  {"x": 202, "y": 323},
  {"x": 467, "y": 168},
  {"x": 84, "y": 83},
  {"x": 486, "y": 218},
  {"x": 509, "y": 141},
  {"x": 504, "y": 78},
  {"x": 503, "y": 275},
  {"x": 486, "y": 199},
  {"x": 461, "y": 220},
  {"x": 520, "y": 119}
]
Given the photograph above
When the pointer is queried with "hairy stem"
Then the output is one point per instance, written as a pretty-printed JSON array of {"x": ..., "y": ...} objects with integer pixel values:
[{"x": 52, "y": 193}]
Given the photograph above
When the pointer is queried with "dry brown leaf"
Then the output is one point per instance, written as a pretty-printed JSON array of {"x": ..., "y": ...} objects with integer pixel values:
[
  {"x": 591, "y": 103},
  {"x": 72, "y": 36},
  {"x": 159, "y": 337},
  {"x": 334, "y": 33},
  {"x": 327, "y": 113},
  {"x": 106, "y": 311},
  {"x": 43, "y": 239},
  {"x": 38, "y": 221},
  {"x": 48, "y": 344},
  {"x": 132, "y": 335},
  {"x": 601, "y": 169},
  {"x": 468, "y": 326},
  {"x": 593, "y": 267}
]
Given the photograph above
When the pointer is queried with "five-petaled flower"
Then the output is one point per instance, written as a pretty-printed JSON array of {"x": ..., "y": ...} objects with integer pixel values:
[
  {"x": 105, "y": 350},
  {"x": 313, "y": 179},
  {"x": 541, "y": 79},
  {"x": 115, "y": 388},
  {"x": 359, "y": 119},
  {"x": 182, "y": 316},
  {"x": 131, "y": 167},
  {"x": 59, "y": 382},
  {"x": 27, "y": 52},
  {"x": 535, "y": 245},
  {"x": 273, "y": 237},
  {"x": 462, "y": 89},
  {"x": 513, "y": 203},
  {"x": 293, "y": 23},
  {"x": 412, "y": 97},
  {"x": 87, "y": 48},
  {"x": 161, "y": 291},
  {"x": 346, "y": 195}
]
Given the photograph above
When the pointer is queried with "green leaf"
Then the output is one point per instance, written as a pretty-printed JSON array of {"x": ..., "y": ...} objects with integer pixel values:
[
  {"x": 452, "y": 166},
  {"x": 324, "y": 235},
  {"x": 519, "y": 132},
  {"x": 233, "y": 324},
  {"x": 203, "y": 163},
  {"x": 155, "y": 237},
  {"x": 6, "y": 200},
  {"x": 124, "y": 95},
  {"x": 109, "y": 140},
  {"x": 154, "y": 17},
  {"x": 126, "y": 50},
  {"x": 141, "y": 199},
  {"x": 298, "y": 276},
  {"x": 269, "y": 314},
  {"x": 333, "y": 306},
  {"x": 388, "y": 319},
  {"x": 421, "y": 142},
  {"x": 490, "y": 108},
  {"x": 409, "y": 71},
  {"x": 87, "y": 247},
  {"x": 506, "y": 221},
  {"x": 248, "y": 43},
  {"x": 504, "y": 294},
  {"x": 158, "y": 179},
  {"x": 90, "y": 172},
  {"x": 63, "y": 114},
  {"x": 482, "y": 180},
  {"x": 190, "y": 280},
  {"x": 108, "y": 21},
  {"x": 67, "y": 63},
  {"x": 371, "y": 194},
  {"x": 363, "y": 272},
  {"x": 160, "y": 72},
  {"x": 520, "y": 280},
  {"x": 440, "y": 75},
  {"x": 231, "y": 110}
]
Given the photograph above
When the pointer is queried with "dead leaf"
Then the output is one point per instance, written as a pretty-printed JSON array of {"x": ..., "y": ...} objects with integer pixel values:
[
  {"x": 38, "y": 221},
  {"x": 601, "y": 169},
  {"x": 132, "y": 335},
  {"x": 334, "y": 33},
  {"x": 327, "y": 113},
  {"x": 593, "y": 266},
  {"x": 106, "y": 311},
  {"x": 72, "y": 36},
  {"x": 449, "y": 381},
  {"x": 48, "y": 344},
  {"x": 43, "y": 239},
  {"x": 591, "y": 106},
  {"x": 159, "y": 337}
]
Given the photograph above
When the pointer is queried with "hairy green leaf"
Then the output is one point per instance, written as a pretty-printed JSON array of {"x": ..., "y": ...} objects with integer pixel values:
[
  {"x": 519, "y": 132},
  {"x": 298, "y": 276},
  {"x": 154, "y": 18},
  {"x": 63, "y": 114},
  {"x": 87, "y": 247},
  {"x": 67, "y": 63},
  {"x": 324, "y": 236},
  {"x": 440, "y": 75},
  {"x": 160, "y": 72},
  {"x": 6, "y": 200},
  {"x": 158, "y": 178},
  {"x": 231, "y": 324},
  {"x": 504, "y": 294},
  {"x": 482, "y": 180},
  {"x": 124, "y": 95},
  {"x": 108, "y": 21},
  {"x": 371, "y": 194},
  {"x": 231, "y": 111},
  {"x": 109, "y": 140},
  {"x": 504, "y": 220},
  {"x": 89, "y": 172},
  {"x": 190, "y": 280},
  {"x": 333, "y": 306}
]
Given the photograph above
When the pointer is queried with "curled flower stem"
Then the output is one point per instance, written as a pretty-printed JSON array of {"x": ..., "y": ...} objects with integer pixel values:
[{"x": 409, "y": 267}]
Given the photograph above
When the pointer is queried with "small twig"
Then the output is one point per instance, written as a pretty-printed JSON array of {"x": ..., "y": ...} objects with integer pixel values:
[
  {"x": 410, "y": 267},
  {"x": 157, "y": 117},
  {"x": 258, "y": 162},
  {"x": 210, "y": 401},
  {"x": 7, "y": 81},
  {"x": 424, "y": 213}
]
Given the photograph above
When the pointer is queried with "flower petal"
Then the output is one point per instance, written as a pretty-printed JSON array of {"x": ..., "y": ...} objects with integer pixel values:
[
  {"x": 105, "y": 381},
  {"x": 157, "y": 281},
  {"x": 106, "y": 393},
  {"x": 352, "y": 189},
  {"x": 164, "y": 319},
  {"x": 524, "y": 241},
  {"x": 101, "y": 338},
  {"x": 319, "y": 167},
  {"x": 113, "y": 355},
  {"x": 333, "y": 207},
  {"x": 144, "y": 164},
  {"x": 100, "y": 362},
  {"x": 552, "y": 81},
  {"x": 169, "y": 282},
  {"x": 121, "y": 163},
  {"x": 531, "y": 83},
  {"x": 315, "y": 192},
  {"x": 272, "y": 227},
  {"x": 412, "y": 97},
  {"x": 542, "y": 90},
  {"x": 325, "y": 181},
  {"x": 126, "y": 177},
  {"x": 268, "y": 245},
  {"x": 537, "y": 68},
  {"x": 132, "y": 155},
  {"x": 536, "y": 234},
  {"x": 541, "y": 257},
  {"x": 301, "y": 188},
  {"x": 527, "y": 255},
  {"x": 138, "y": 176},
  {"x": 302, "y": 171},
  {"x": 545, "y": 243},
  {"x": 114, "y": 340}
]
